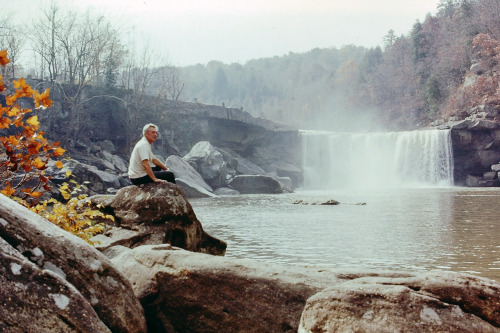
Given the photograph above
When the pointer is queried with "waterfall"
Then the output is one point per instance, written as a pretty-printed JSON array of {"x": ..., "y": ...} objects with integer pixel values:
[{"x": 364, "y": 160}]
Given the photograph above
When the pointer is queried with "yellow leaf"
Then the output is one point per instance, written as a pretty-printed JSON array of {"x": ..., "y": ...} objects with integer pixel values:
[
  {"x": 59, "y": 164},
  {"x": 68, "y": 174},
  {"x": 33, "y": 121},
  {"x": 13, "y": 112}
]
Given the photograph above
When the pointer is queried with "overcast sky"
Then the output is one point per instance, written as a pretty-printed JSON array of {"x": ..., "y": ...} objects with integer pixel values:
[{"x": 197, "y": 31}]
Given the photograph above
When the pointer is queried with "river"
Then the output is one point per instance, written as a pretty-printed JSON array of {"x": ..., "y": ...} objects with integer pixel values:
[
  {"x": 398, "y": 209},
  {"x": 454, "y": 229}
]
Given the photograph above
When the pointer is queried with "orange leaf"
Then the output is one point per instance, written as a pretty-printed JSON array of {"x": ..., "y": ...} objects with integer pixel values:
[
  {"x": 10, "y": 100},
  {"x": 8, "y": 191},
  {"x": 34, "y": 147},
  {"x": 39, "y": 164},
  {"x": 58, "y": 152},
  {"x": 36, "y": 194},
  {"x": 3, "y": 58},
  {"x": 18, "y": 122},
  {"x": 59, "y": 164},
  {"x": 26, "y": 167},
  {"x": 43, "y": 99},
  {"x": 23, "y": 89},
  {"x": 4, "y": 122}
]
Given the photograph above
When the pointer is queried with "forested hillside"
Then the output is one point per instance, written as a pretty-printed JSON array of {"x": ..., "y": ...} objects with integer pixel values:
[
  {"x": 410, "y": 81},
  {"x": 444, "y": 67}
]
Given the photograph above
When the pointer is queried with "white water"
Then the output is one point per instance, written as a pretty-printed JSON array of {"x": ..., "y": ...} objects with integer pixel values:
[{"x": 374, "y": 160}]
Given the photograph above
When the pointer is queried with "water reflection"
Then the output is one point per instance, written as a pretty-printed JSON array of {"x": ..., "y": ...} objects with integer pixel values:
[
  {"x": 452, "y": 228},
  {"x": 476, "y": 233}
]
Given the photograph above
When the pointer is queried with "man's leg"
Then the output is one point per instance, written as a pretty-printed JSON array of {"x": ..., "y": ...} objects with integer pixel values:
[
  {"x": 142, "y": 180},
  {"x": 164, "y": 174}
]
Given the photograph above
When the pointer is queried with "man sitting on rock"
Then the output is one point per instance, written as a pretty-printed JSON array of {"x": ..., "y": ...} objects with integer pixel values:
[{"x": 141, "y": 169}]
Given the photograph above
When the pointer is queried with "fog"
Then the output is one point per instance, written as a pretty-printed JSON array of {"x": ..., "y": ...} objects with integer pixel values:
[{"x": 197, "y": 31}]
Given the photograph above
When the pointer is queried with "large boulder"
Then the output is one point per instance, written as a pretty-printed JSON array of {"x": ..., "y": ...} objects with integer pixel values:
[
  {"x": 113, "y": 162},
  {"x": 33, "y": 299},
  {"x": 53, "y": 281},
  {"x": 255, "y": 184},
  {"x": 427, "y": 302},
  {"x": 192, "y": 292},
  {"x": 208, "y": 162},
  {"x": 291, "y": 171},
  {"x": 188, "y": 179},
  {"x": 245, "y": 167},
  {"x": 157, "y": 213}
]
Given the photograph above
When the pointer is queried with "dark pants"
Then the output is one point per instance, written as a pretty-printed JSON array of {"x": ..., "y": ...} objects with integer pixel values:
[{"x": 159, "y": 173}]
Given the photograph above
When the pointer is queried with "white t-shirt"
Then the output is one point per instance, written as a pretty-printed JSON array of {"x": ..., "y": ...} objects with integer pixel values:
[{"x": 142, "y": 151}]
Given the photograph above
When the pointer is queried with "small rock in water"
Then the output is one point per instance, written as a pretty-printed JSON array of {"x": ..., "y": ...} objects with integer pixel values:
[
  {"x": 326, "y": 203},
  {"x": 330, "y": 203}
]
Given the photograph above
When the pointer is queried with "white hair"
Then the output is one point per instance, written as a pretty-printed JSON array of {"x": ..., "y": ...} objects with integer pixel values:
[{"x": 147, "y": 126}]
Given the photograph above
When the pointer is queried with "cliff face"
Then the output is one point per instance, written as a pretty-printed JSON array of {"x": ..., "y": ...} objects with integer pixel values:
[
  {"x": 476, "y": 148},
  {"x": 269, "y": 145}
]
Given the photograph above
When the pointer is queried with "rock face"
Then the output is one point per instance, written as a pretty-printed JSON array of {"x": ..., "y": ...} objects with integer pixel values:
[
  {"x": 192, "y": 292},
  {"x": 54, "y": 281},
  {"x": 36, "y": 300},
  {"x": 429, "y": 302},
  {"x": 476, "y": 147},
  {"x": 255, "y": 184},
  {"x": 156, "y": 214}
]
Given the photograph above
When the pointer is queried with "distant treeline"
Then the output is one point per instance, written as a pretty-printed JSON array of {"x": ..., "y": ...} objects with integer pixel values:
[{"x": 409, "y": 82}]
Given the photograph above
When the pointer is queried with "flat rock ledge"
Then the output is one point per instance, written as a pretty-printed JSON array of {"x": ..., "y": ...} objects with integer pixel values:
[{"x": 183, "y": 291}]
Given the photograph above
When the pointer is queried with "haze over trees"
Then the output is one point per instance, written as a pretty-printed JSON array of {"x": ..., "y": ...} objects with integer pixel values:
[{"x": 409, "y": 81}]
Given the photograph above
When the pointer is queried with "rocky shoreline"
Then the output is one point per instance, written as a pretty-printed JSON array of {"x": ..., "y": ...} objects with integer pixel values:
[{"x": 53, "y": 281}]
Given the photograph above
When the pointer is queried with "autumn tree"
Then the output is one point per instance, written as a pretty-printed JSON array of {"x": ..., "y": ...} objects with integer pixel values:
[
  {"x": 24, "y": 156},
  {"x": 25, "y": 151}
]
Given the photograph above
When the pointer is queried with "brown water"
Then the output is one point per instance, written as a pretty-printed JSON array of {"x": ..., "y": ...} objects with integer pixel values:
[{"x": 454, "y": 229}]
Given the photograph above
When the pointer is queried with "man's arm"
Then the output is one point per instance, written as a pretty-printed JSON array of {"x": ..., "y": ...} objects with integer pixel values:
[
  {"x": 149, "y": 171},
  {"x": 157, "y": 162}
]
